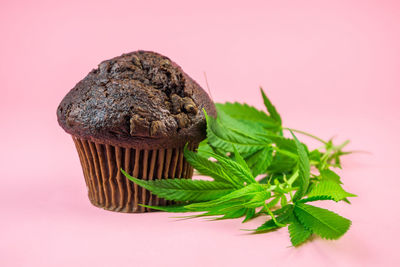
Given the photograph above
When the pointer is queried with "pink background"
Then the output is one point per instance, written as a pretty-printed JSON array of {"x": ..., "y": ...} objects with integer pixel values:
[{"x": 331, "y": 67}]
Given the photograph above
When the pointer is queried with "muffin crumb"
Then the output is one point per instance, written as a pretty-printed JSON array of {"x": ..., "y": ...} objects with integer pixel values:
[
  {"x": 182, "y": 119},
  {"x": 157, "y": 128},
  {"x": 189, "y": 106},
  {"x": 176, "y": 103}
]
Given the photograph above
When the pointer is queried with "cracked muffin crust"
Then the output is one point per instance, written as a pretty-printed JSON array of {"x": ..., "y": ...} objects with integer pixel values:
[{"x": 137, "y": 99}]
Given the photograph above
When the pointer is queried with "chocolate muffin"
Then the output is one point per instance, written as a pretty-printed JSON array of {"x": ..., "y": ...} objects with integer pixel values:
[{"x": 135, "y": 112}]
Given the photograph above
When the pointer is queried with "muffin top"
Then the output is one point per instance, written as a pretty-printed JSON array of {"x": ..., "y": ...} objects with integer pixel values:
[{"x": 140, "y": 99}]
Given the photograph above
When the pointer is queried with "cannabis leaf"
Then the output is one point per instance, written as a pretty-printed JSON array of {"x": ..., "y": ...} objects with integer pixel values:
[
  {"x": 330, "y": 175},
  {"x": 221, "y": 137},
  {"x": 250, "y": 214},
  {"x": 271, "y": 108},
  {"x": 328, "y": 189},
  {"x": 242, "y": 143},
  {"x": 207, "y": 167},
  {"x": 240, "y": 171},
  {"x": 184, "y": 189},
  {"x": 323, "y": 222},
  {"x": 258, "y": 157},
  {"x": 244, "y": 194},
  {"x": 260, "y": 160},
  {"x": 304, "y": 170},
  {"x": 246, "y": 113},
  {"x": 298, "y": 233}
]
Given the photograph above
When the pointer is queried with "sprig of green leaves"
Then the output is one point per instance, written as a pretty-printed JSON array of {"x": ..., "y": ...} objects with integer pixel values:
[{"x": 243, "y": 143}]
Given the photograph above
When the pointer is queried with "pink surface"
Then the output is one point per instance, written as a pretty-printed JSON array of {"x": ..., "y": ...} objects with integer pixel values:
[{"x": 331, "y": 67}]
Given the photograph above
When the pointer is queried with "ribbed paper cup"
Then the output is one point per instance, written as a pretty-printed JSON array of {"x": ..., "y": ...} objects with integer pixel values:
[{"x": 109, "y": 189}]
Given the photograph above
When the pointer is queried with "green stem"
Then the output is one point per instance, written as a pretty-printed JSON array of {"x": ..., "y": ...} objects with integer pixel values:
[
  {"x": 273, "y": 216},
  {"x": 305, "y": 133},
  {"x": 331, "y": 153},
  {"x": 339, "y": 147},
  {"x": 293, "y": 178}
]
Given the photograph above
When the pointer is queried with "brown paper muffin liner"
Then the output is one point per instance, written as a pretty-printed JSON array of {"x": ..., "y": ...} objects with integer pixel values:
[{"x": 109, "y": 189}]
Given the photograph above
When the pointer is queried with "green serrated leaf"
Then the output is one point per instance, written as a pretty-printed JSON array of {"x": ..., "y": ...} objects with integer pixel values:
[
  {"x": 271, "y": 108},
  {"x": 247, "y": 113},
  {"x": 331, "y": 189},
  {"x": 184, "y": 189},
  {"x": 204, "y": 148},
  {"x": 330, "y": 175},
  {"x": 284, "y": 143},
  {"x": 304, "y": 170},
  {"x": 298, "y": 233},
  {"x": 323, "y": 222},
  {"x": 237, "y": 171},
  {"x": 347, "y": 201},
  {"x": 216, "y": 209},
  {"x": 207, "y": 167},
  {"x": 233, "y": 214},
  {"x": 315, "y": 198},
  {"x": 249, "y": 129},
  {"x": 246, "y": 192},
  {"x": 250, "y": 214},
  {"x": 239, "y": 159},
  {"x": 260, "y": 160},
  {"x": 281, "y": 164},
  {"x": 258, "y": 199},
  {"x": 221, "y": 137}
]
